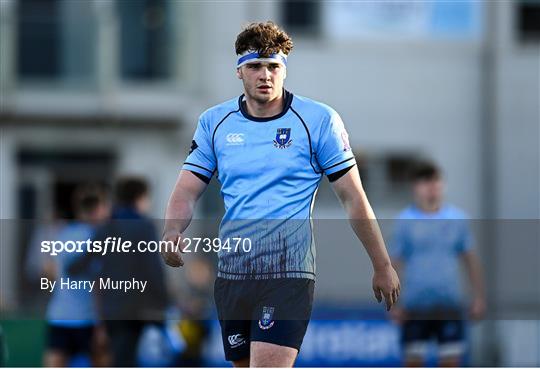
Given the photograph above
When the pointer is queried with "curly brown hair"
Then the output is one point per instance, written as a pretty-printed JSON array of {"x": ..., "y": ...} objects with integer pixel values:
[{"x": 266, "y": 38}]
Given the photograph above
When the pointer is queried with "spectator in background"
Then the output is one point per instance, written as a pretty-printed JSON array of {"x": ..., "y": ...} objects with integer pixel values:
[
  {"x": 430, "y": 239},
  {"x": 72, "y": 314},
  {"x": 127, "y": 313}
]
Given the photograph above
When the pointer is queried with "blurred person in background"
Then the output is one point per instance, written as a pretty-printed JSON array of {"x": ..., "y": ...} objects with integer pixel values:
[
  {"x": 431, "y": 237},
  {"x": 127, "y": 313},
  {"x": 38, "y": 264},
  {"x": 72, "y": 327},
  {"x": 270, "y": 149}
]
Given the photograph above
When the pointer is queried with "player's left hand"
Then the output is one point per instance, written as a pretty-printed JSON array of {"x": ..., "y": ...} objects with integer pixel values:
[{"x": 386, "y": 284}]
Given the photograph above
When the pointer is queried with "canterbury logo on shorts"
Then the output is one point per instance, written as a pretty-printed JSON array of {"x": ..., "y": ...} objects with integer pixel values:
[{"x": 236, "y": 340}]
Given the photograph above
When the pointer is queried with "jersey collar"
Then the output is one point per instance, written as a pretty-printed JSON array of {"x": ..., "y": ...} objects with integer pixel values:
[{"x": 287, "y": 96}]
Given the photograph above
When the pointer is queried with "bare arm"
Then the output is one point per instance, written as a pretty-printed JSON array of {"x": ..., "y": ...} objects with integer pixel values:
[
  {"x": 474, "y": 272},
  {"x": 364, "y": 223},
  {"x": 179, "y": 212}
]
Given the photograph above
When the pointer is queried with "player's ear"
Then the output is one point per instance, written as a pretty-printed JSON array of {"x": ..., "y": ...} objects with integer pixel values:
[{"x": 239, "y": 73}]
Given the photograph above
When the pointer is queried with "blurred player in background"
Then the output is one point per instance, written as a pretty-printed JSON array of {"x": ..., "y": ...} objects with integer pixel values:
[
  {"x": 270, "y": 149},
  {"x": 431, "y": 237},
  {"x": 127, "y": 313},
  {"x": 72, "y": 313}
]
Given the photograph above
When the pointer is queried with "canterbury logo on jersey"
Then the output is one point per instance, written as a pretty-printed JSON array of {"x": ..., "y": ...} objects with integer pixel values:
[
  {"x": 236, "y": 340},
  {"x": 235, "y": 139}
]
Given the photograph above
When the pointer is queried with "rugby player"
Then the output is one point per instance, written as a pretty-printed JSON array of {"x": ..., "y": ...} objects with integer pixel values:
[
  {"x": 431, "y": 238},
  {"x": 270, "y": 150},
  {"x": 72, "y": 315}
]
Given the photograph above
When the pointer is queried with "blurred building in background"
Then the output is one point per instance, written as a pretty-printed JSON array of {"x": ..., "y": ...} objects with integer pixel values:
[{"x": 94, "y": 89}]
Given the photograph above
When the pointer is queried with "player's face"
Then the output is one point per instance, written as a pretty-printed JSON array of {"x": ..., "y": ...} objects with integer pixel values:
[
  {"x": 429, "y": 192},
  {"x": 263, "y": 82}
]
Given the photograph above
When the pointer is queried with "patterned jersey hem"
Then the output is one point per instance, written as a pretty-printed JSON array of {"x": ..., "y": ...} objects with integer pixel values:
[{"x": 265, "y": 275}]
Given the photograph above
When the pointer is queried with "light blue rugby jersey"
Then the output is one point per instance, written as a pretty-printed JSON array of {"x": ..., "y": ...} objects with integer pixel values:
[
  {"x": 73, "y": 308},
  {"x": 269, "y": 170},
  {"x": 430, "y": 244}
]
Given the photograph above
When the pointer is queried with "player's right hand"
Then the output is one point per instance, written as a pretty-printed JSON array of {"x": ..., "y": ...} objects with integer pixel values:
[
  {"x": 172, "y": 257},
  {"x": 386, "y": 285}
]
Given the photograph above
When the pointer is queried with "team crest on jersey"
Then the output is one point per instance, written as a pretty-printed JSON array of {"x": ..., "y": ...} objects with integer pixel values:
[
  {"x": 266, "y": 321},
  {"x": 283, "y": 138}
]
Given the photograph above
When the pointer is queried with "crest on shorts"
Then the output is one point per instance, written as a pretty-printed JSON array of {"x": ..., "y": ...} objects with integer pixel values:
[
  {"x": 283, "y": 138},
  {"x": 266, "y": 321}
]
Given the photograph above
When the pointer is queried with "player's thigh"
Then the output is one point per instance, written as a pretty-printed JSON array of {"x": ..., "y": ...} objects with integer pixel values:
[{"x": 264, "y": 354}]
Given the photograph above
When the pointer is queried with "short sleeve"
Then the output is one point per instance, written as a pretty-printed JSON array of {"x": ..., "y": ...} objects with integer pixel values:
[
  {"x": 333, "y": 150},
  {"x": 466, "y": 238},
  {"x": 201, "y": 158}
]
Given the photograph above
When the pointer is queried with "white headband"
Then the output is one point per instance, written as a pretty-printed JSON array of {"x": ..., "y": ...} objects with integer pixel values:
[{"x": 253, "y": 56}]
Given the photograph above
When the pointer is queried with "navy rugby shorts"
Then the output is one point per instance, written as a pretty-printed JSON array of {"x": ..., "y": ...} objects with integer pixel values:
[{"x": 271, "y": 310}]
